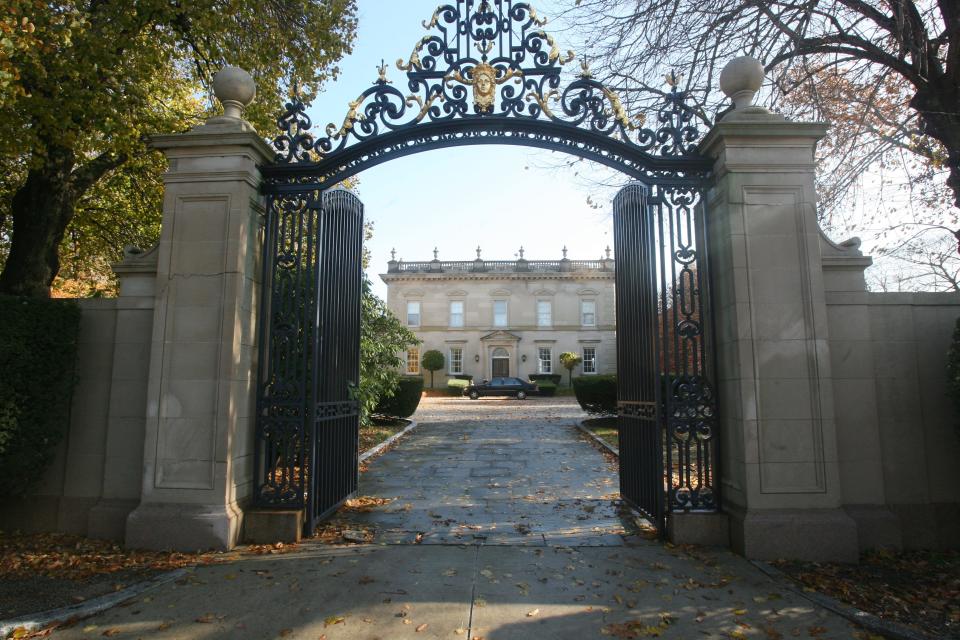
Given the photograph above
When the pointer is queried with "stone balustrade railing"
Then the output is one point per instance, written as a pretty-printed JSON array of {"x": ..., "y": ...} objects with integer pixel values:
[{"x": 500, "y": 266}]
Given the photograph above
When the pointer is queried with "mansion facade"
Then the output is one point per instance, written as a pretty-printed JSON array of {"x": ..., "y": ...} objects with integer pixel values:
[{"x": 506, "y": 317}]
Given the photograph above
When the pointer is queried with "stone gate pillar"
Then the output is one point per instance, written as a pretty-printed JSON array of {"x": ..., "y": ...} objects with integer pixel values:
[
  {"x": 779, "y": 479},
  {"x": 197, "y": 470}
]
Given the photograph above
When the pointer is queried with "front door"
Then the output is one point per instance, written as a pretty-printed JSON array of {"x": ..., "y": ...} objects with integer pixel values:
[{"x": 500, "y": 363}]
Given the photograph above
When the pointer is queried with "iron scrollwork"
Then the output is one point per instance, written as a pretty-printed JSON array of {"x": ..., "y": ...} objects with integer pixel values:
[{"x": 488, "y": 72}]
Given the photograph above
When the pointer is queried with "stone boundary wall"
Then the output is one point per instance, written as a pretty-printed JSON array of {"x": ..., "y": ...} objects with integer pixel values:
[
  {"x": 898, "y": 443},
  {"x": 95, "y": 479}
]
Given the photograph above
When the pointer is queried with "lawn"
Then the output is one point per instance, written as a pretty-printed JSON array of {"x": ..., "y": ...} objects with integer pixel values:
[
  {"x": 605, "y": 428},
  {"x": 379, "y": 430}
]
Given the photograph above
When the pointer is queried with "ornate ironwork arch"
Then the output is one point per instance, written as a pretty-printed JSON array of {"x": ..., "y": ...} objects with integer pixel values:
[{"x": 488, "y": 73}]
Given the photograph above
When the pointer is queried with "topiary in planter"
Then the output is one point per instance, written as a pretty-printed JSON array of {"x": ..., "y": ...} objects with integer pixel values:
[
  {"x": 405, "y": 399},
  {"x": 597, "y": 394},
  {"x": 38, "y": 352}
]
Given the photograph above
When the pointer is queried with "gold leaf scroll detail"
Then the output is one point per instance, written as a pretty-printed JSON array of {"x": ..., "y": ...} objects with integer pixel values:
[
  {"x": 618, "y": 111},
  {"x": 348, "y": 120},
  {"x": 424, "y": 106},
  {"x": 543, "y": 101},
  {"x": 537, "y": 20},
  {"x": 414, "y": 56},
  {"x": 555, "y": 49},
  {"x": 434, "y": 20}
]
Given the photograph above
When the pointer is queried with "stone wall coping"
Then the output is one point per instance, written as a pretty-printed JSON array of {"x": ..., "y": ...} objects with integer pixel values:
[
  {"x": 199, "y": 139},
  {"x": 762, "y": 127},
  {"x": 914, "y": 298}
]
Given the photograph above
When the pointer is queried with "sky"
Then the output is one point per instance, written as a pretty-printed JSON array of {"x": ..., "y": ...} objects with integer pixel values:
[{"x": 497, "y": 197}]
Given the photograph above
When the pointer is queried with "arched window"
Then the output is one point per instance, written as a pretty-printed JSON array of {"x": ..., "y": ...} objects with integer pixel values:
[{"x": 500, "y": 352}]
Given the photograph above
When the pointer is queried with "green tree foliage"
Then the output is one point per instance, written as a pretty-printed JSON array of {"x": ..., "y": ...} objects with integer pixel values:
[
  {"x": 382, "y": 337},
  {"x": 432, "y": 361},
  {"x": 84, "y": 84},
  {"x": 570, "y": 360}
]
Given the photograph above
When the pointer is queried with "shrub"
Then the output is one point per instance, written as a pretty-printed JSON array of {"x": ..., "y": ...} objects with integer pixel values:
[
  {"x": 405, "y": 399},
  {"x": 456, "y": 386},
  {"x": 953, "y": 371},
  {"x": 38, "y": 352},
  {"x": 596, "y": 394},
  {"x": 555, "y": 378},
  {"x": 547, "y": 387},
  {"x": 463, "y": 376}
]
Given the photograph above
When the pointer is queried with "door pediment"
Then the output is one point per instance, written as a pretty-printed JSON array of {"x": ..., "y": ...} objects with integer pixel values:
[{"x": 501, "y": 336}]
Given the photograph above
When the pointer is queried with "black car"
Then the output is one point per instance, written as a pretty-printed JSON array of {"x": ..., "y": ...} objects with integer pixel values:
[{"x": 501, "y": 387}]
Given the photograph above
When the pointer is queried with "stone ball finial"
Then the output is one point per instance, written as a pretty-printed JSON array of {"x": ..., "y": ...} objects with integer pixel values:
[
  {"x": 740, "y": 81},
  {"x": 235, "y": 89}
]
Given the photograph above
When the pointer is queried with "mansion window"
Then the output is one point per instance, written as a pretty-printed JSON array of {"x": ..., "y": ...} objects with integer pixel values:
[
  {"x": 544, "y": 360},
  {"x": 456, "y": 360},
  {"x": 413, "y": 361},
  {"x": 456, "y": 313},
  {"x": 544, "y": 313},
  {"x": 499, "y": 313},
  {"x": 588, "y": 313},
  {"x": 413, "y": 314},
  {"x": 589, "y": 359}
]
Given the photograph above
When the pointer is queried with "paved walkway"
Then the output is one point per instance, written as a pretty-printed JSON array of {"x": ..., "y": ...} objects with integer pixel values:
[{"x": 502, "y": 525}]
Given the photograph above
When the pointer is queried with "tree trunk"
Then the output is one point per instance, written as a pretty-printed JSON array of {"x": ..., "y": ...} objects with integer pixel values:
[
  {"x": 938, "y": 108},
  {"x": 41, "y": 210}
]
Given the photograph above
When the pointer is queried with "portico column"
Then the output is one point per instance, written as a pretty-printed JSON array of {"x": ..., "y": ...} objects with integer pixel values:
[
  {"x": 197, "y": 470},
  {"x": 780, "y": 480}
]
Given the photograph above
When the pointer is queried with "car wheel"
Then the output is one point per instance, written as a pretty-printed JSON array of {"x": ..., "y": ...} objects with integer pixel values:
[
  {"x": 474, "y": 395},
  {"x": 521, "y": 395}
]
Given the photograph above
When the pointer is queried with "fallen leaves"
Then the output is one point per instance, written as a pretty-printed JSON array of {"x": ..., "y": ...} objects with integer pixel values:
[
  {"x": 70, "y": 557},
  {"x": 918, "y": 588},
  {"x": 329, "y": 621}
]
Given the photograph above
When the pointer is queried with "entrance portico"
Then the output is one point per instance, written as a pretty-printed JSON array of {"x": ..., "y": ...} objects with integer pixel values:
[{"x": 501, "y": 348}]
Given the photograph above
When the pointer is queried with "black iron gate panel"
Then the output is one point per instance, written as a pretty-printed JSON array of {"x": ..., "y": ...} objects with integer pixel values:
[
  {"x": 307, "y": 429},
  {"x": 640, "y": 440},
  {"x": 665, "y": 407}
]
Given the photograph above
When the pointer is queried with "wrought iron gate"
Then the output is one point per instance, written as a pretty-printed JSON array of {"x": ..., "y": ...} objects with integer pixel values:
[
  {"x": 307, "y": 416},
  {"x": 488, "y": 73},
  {"x": 666, "y": 409}
]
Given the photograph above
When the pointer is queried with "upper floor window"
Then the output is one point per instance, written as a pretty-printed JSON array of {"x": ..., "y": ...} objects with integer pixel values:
[
  {"x": 413, "y": 314},
  {"x": 499, "y": 313},
  {"x": 413, "y": 361},
  {"x": 589, "y": 359},
  {"x": 588, "y": 313},
  {"x": 544, "y": 313},
  {"x": 456, "y": 360},
  {"x": 456, "y": 313},
  {"x": 544, "y": 360}
]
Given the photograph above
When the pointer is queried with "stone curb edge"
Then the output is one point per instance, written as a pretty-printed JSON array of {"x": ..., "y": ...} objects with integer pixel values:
[
  {"x": 369, "y": 453},
  {"x": 868, "y": 621},
  {"x": 37, "y": 621},
  {"x": 603, "y": 443}
]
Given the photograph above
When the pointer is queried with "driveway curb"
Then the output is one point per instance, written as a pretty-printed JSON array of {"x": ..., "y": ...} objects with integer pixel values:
[
  {"x": 369, "y": 453},
  {"x": 603, "y": 443},
  {"x": 37, "y": 621},
  {"x": 868, "y": 621}
]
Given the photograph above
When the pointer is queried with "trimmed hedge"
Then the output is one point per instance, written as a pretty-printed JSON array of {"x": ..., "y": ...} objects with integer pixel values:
[
  {"x": 462, "y": 376},
  {"x": 547, "y": 388},
  {"x": 597, "y": 394},
  {"x": 953, "y": 371},
  {"x": 38, "y": 353},
  {"x": 456, "y": 386},
  {"x": 405, "y": 399},
  {"x": 555, "y": 378}
]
